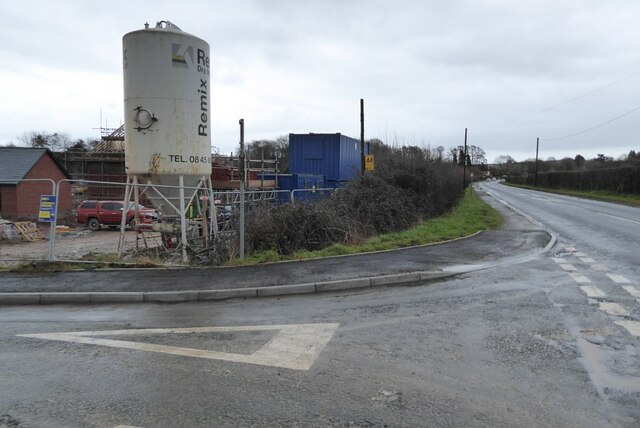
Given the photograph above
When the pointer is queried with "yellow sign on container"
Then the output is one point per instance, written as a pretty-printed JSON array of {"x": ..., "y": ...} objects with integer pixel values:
[{"x": 368, "y": 163}]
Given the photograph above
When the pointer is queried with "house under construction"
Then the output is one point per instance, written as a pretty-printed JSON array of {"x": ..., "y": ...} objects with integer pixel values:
[{"x": 104, "y": 163}]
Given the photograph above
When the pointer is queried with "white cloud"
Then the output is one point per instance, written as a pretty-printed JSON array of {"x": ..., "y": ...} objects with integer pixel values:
[{"x": 427, "y": 69}]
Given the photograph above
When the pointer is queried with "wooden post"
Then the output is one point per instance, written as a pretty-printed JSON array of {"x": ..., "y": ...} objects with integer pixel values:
[
  {"x": 362, "y": 166},
  {"x": 464, "y": 162},
  {"x": 242, "y": 171},
  {"x": 535, "y": 178}
]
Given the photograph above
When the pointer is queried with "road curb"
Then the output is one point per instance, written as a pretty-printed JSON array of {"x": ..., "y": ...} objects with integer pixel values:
[
  {"x": 397, "y": 278},
  {"x": 344, "y": 284},
  {"x": 284, "y": 290},
  {"x": 115, "y": 297},
  {"x": 65, "y": 297},
  {"x": 19, "y": 298},
  {"x": 170, "y": 296},
  {"x": 223, "y": 294}
]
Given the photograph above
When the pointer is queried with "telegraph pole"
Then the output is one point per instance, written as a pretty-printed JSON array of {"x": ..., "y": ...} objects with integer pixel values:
[
  {"x": 241, "y": 168},
  {"x": 464, "y": 162},
  {"x": 535, "y": 179},
  {"x": 362, "y": 166}
]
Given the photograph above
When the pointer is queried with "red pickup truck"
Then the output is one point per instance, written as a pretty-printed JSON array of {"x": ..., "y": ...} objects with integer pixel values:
[{"x": 109, "y": 213}]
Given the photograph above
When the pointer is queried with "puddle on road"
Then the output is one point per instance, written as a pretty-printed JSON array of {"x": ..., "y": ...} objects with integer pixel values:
[{"x": 597, "y": 360}]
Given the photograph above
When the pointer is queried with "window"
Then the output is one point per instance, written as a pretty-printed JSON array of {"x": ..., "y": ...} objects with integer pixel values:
[{"x": 111, "y": 206}]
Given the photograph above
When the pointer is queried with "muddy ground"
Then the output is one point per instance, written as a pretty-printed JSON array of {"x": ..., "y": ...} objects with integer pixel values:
[{"x": 77, "y": 243}]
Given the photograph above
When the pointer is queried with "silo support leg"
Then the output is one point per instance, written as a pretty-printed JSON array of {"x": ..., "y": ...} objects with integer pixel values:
[
  {"x": 183, "y": 222},
  {"x": 213, "y": 215},
  {"x": 127, "y": 197}
]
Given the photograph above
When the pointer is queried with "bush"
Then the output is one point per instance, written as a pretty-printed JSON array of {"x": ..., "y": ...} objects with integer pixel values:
[
  {"x": 291, "y": 227},
  {"x": 408, "y": 186},
  {"x": 433, "y": 186},
  {"x": 377, "y": 205}
]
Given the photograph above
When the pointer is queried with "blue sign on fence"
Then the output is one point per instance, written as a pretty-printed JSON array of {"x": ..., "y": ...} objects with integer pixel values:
[{"x": 47, "y": 208}]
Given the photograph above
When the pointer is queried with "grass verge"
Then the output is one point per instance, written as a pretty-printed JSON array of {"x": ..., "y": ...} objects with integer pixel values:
[
  {"x": 471, "y": 215},
  {"x": 599, "y": 195}
]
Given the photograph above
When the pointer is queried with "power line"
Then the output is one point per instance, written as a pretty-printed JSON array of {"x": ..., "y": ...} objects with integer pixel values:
[
  {"x": 570, "y": 100},
  {"x": 594, "y": 127}
]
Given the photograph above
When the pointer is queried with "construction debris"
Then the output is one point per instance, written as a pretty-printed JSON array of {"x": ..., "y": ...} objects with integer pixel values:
[
  {"x": 29, "y": 231},
  {"x": 8, "y": 231}
]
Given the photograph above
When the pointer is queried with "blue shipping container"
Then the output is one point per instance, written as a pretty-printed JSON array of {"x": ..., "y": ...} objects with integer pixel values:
[{"x": 335, "y": 156}]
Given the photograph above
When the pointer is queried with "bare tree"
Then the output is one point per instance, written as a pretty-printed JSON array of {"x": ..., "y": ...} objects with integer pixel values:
[
  {"x": 504, "y": 164},
  {"x": 56, "y": 142},
  {"x": 477, "y": 155},
  {"x": 271, "y": 148}
]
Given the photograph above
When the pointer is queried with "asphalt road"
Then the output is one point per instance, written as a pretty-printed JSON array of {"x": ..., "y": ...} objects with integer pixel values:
[
  {"x": 609, "y": 231},
  {"x": 528, "y": 343}
]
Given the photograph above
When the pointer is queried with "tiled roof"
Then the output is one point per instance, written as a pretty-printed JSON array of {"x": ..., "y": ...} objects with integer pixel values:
[
  {"x": 17, "y": 162},
  {"x": 109, "y": 146},
  {"x": 116, "y": 134}
]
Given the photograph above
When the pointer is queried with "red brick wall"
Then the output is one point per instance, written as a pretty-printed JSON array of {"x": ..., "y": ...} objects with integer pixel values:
[
  {"x": 28, "y": 198},
  {"x": 8, "y": 203},
  {"x": 28, "y": 193}
]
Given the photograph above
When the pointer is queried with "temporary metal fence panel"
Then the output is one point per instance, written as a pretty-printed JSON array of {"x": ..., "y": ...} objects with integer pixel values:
[
  {"x": 14, "y": 232},
  {"x": 20, "y": 197},
  {"x": 308, "y": 181},
  {"x": 70, "y": 241},
  {"x": 298, "y": 195},
  {"x": 233, "y": 197}
]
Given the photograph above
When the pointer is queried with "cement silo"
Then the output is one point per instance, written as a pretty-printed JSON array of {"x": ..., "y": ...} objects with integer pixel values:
[
  {"x": 167, "y": 103},
  {"x": 167, "y": 122}
]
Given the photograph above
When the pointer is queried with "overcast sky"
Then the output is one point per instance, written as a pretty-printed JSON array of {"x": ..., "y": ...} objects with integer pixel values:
[{"x": 510, "y": 71}]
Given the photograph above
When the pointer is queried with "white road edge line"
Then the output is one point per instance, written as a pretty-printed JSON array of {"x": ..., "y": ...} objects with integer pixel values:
[
  {"x": 579, "y": 278},
  {"x": 618, "y": 279},
  {"x": 592, "y": 291},
  {"x": 613, "y": 309},
  {"x": 632, "y": 327},
  {"x": 618, "y": 218},
  {"x": 631, "y": 290}
]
